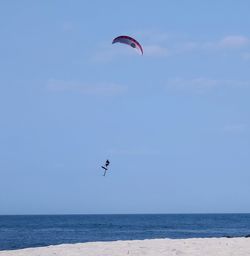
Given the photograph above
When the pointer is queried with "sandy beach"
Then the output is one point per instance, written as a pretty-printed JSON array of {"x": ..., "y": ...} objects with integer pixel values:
[{"x": 154, "y": 247}]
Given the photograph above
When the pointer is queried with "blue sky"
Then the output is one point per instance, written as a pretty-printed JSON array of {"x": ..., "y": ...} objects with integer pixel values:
[{"x": 174, "y": 122}]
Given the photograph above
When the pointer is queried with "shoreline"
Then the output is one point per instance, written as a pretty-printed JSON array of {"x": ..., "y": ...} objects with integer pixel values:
[{"x": 151, "y": 247}]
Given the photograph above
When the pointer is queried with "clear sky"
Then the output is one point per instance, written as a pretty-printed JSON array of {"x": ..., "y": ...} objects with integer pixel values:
[{"x": 175, "y": 123}]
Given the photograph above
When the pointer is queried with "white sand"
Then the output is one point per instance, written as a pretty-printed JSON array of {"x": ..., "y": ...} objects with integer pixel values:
[{"x": 154, "y": 247}]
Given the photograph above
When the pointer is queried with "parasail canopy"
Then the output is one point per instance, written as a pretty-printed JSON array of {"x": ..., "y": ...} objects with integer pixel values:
[{"x": 129, "y": 41}]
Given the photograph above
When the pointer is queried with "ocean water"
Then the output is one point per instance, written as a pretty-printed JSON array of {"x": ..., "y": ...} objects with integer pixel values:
[{"x": 41, "y": 230}]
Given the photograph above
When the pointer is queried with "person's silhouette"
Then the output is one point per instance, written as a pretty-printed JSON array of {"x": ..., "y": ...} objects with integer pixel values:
[{"x": 106, "y": 167}]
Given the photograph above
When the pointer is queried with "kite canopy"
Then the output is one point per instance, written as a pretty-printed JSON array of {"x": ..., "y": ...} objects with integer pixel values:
[{"x": 129, "y": 41}]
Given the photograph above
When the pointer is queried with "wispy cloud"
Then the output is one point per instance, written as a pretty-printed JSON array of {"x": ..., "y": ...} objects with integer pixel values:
[
  {"x": 153, "y": 43},
  {"x": 235, "y": 128},
  {"x": 177, "y": 46},
  {"x": 186, "y": 47},
  {"x": 233, "y": 42},
  {"x": 160, "y": 44},
  {"x": 246, "y": 55},
  {"x": 201, "y": 84},
  {"x": 156, "y": 51},
  {"x": 229, "y": 42},
  {"x": 94, "y": 89},
  {"x": 107, "y": 53}
]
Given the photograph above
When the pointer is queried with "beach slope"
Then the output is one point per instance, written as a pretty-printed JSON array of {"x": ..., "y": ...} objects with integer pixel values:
[{"x": 154, "y": 247}]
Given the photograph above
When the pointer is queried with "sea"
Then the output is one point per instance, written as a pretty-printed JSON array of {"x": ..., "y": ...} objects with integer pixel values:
[{"x": 24, "y": 231}]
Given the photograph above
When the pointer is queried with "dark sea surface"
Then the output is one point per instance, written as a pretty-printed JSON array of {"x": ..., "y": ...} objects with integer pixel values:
[{"x": 41, "y": 230}]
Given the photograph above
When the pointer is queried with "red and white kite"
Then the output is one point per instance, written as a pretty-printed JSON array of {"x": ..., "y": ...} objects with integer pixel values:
[{"x": 129, "y": 41}]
